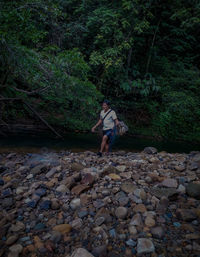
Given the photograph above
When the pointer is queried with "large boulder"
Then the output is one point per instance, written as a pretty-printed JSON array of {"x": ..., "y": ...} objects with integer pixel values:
[{"x": 193, "y": 190}]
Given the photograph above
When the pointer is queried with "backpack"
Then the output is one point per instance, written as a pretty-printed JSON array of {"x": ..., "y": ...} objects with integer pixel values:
[{"x": 122, "y": 128}]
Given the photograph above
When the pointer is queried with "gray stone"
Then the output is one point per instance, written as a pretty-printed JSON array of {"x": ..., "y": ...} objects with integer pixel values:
[
  {"x": 75, "y": 203},
  {"x": 81, "y": 252},
  {"x": 145, "y": 245},
  {"x": 169, "y": 182}
]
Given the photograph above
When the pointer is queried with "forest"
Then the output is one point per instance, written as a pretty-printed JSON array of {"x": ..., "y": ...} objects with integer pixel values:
[{"x": 64, "y": 57}]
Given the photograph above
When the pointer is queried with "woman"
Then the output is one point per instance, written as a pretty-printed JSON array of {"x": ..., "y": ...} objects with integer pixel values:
[{"x": 109, "y": 119}]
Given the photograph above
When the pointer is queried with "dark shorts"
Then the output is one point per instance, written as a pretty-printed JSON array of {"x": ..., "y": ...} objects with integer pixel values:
[{"x": 108, "y": 133}]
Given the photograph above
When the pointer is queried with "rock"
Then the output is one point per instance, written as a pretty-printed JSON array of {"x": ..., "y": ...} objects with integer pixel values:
[
  {"x": 128, "y": 187},
  {"x": 100, "y": 251},
  {"x": 38, "y": 169},
  {"x": 181, "y": 189},
  {"x": 75, "y": 203},
  {"x": 170, "y": 183},
  {"x": 121, "y": 212},
  {"x": 77, "y": 190},
  {"x": 132, "y": 230},
  {"x": 21, "y": 190},
  {"x": 140, "y": 193},
  {"x": 140, "y": 208},
  {"x": 77, "y": 223},
  {"x": 193, "y": 190},
  {"x": 63, "y": 228},
  {"x": 19, "y": 226},
  {"x": 160, "y": 192},
  {"x": 150, "y": 150},
  {"x": 137, "y": 220},
  {"x": 11, "y": 239},
  {"x": 45, "y": 205},
  {"x": 157, "y": 232},
  {"x": 7, "y": 202},
  {"x": 114, "y": 176},
  {"x": 55, "y": 205},
  {"x": 56, "y": 236},
  {"x": 150, "y": 222},
  {"x": 81, "y": 252},
  {"x": 99, "y": 221},
  {"x": 62, "y": 189},
  {"x": 77, "y": 167},
  {"x": 109, "y": 169},
  {"x": 145, "y": 245},
  {"x": 87, "y": 179},
  {"x": 121, "y": 168},
  {"x": 180, "y": 167},
  {"x": 52, "y": 172},
  {"x": 186, "y": 214},
  {"x": 15, "y": 250}
]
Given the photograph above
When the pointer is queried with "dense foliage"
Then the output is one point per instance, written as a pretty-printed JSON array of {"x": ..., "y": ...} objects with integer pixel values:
[{"x": 66, "y": 56}]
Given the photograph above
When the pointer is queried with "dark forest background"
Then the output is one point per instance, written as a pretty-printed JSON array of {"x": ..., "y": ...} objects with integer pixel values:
[{"x": 65, "y": 56}]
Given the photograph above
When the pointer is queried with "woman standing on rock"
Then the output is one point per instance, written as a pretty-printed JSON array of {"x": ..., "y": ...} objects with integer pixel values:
[{"x": 109, "y": 119}]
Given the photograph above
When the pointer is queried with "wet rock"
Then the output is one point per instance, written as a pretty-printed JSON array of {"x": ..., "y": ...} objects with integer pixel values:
[
  {"x": 81, "y": 252},
  {"x": 193, "y": 190},
  {"x": 145, "y": 245}
]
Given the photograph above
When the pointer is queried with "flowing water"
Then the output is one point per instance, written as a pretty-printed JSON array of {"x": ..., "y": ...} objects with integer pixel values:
[{"x": 83, "y": 142}]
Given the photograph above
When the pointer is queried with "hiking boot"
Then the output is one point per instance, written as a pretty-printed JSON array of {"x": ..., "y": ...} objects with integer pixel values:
[{"x": 99, "y": 154}]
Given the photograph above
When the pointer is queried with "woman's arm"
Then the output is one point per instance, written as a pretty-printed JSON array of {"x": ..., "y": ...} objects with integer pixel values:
[
  {"x": 98, "y": 123},
  {"x": 116, "y": 122}
]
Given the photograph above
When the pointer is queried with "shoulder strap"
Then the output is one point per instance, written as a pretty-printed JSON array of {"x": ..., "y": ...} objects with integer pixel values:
[{"x": 106, "y": 115}]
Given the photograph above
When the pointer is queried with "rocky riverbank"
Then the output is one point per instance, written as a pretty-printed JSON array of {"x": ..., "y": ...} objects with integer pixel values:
[{"x": 79, "y": 205}]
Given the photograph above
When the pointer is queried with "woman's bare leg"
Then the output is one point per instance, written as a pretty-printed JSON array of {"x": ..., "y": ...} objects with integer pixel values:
[
  {"x": 107, "y": 147},
  {"x": 103, "y": 143}
]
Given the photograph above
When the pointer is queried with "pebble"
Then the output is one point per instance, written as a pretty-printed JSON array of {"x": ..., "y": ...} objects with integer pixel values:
[
  {"x": 124, "y": 204},
  {"x": 121, "y": 212}
]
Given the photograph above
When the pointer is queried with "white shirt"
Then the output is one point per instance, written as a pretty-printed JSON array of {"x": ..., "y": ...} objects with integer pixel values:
[{"x": 108, "y": 122}]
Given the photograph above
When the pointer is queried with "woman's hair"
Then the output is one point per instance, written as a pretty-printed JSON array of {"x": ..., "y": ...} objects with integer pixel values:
[{"x": 106, "y": 102}]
